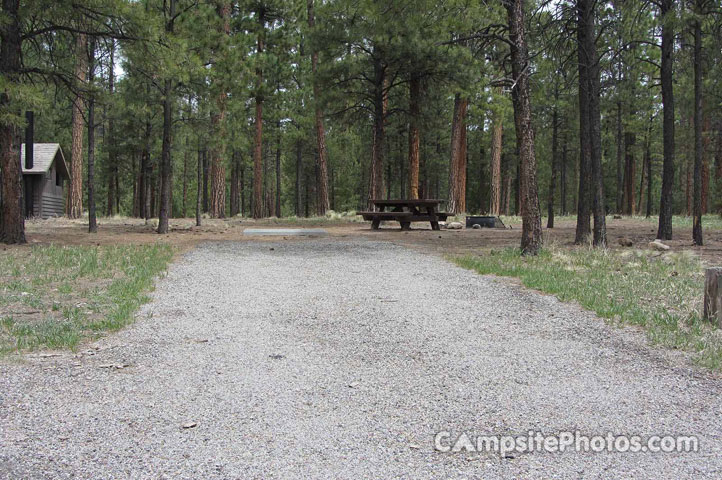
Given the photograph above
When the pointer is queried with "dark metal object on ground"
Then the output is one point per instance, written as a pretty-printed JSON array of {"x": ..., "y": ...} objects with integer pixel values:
[{"x": 484, "y": 221}]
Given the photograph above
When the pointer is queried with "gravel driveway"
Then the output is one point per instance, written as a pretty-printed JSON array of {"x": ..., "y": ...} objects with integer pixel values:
[{"x": 340, "y": 358}]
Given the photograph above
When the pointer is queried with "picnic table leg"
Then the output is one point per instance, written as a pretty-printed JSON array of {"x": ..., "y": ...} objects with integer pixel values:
[
  {"x": 405, "y": 225},
  {"x": 434, "y": 220},
  {"x": 377, "y": 222}
]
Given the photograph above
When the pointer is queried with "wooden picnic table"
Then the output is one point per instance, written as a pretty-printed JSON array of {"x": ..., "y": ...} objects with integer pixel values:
[{"x": 406, "y": 211}]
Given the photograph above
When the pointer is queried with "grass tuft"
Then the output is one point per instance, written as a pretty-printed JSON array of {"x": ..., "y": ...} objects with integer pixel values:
[{"x": 55, "y": 296}]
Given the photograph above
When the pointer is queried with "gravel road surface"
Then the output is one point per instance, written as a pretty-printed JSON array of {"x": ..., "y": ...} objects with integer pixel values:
[{"x": 338, "y": 358}]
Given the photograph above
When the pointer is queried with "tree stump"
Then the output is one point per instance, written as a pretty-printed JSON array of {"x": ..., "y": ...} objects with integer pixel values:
[{"x": 713, "y": 295}]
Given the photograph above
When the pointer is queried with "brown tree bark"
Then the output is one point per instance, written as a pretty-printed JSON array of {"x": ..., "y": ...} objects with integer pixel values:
[
  {"x": 531, "y": 235},
  {"x": 629, "y": 173},
  {"x": 218, "y": 148},
  {"x": 563, "y": 181},
  {"x": 235, "y": 187},
  {"x": 92, "y": 220},
  {"x": 277, "y": 209},
  {"x": 698, "y": 147},
  {"x": 258, "y": 141},
  {"x": 75, "y": 193},
  {"x": 590, "y": 120},
  {"x": 199, "y": 185},
  {"x": 166, "y": 165},
  {"x": 112, "y": 169},
  {"x": 554, "y": 163},
  {"x": 323, "y": 202},
  {"x": 457, "y": 165},
  {"x": 496, "y": 146},
  {"x": 12, "y": 221},
  {"x": 376, "y": 177},
  {"x": 664, "y": 231},
  {"x": 414, "y": 138}
]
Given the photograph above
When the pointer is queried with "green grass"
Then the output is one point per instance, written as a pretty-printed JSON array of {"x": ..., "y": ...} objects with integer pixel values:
[
  {"x": 660, "y": 293},
  {"x": 54, "y": 297}
]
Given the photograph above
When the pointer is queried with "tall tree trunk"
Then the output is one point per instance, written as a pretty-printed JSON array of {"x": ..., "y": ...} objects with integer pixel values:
[
  {"x": 186, "y": 154},
  {"x": 166, "y": 166},
  {"x": 323, "y": 202},
  {"x": 12, "y": 221},
  {"x": 599, "y": 208},
  {"x": 414, "y": 138},
  {"x": 75, "y": 194},
  {"x": 112, "y": 205},
  {"x": 531, "y": 234},
  {"x": 664, "y": 232},
  {"x": 218, "y": 147},
  {"x": 235, "y": 207},
  {"x": 585, "y": 147},
  {"x": 199, "y": 184},
  {"x": 620, "y": 156},
  {"x": 242, "y": 175},
  {"x": 629, "y": 173},
  {"x": 376, "y": 178},
  {"x": 697, "y": 211},
  {"x": 278, "y": 173},
  {"x": 299, "y": 172},
  {"x": 92, "y": 220},
  {"x": 706, "y": 140},
  {"x": 206, "y": 171},
  {"x": 496, "y": 147},
  {"x": 647, "y": 159},
  {"x": 457, "y": 165},
  {"x": 483, "y": 169},
  {"x": 147, "y": 173},
  {"x": 564, "y": 174},
  {"x": 258, "y": 145},
  {"x": 554, "y": 163}
]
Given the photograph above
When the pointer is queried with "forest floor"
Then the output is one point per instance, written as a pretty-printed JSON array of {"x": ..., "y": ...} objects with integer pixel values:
[
  {"x": 249, "y": 363},
  {"x": 184, "y": 234}
]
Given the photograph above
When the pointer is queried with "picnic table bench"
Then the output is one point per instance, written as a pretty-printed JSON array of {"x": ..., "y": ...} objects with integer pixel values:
[{"x": 405, "y": 211}]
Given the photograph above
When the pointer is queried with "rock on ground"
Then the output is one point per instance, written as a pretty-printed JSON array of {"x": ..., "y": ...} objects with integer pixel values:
[{"x": 342, "y": 359}]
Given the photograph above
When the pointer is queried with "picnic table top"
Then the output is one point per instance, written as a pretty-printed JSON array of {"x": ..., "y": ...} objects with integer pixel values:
[{"x": 407, "y": 201}]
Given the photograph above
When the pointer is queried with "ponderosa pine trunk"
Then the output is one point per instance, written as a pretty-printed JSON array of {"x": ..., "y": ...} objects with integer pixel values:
[
  {"x": 496, "y": 147},
  {"x": 664, "y": 231},
  {"x": 620, "y": 157},
  {"x": 563, "y": 181},
  {"x": 92, "y": 220},
  {"x": 218, "y": 148},
  {"x": 589, "y": 128},
  {"x": 599, "y": 209},
  {"x": 697, "y": 208},
  {"x": 235, "y": 187},
  {"x": 414, "y": 138},
  {"x": 457, "y": 164},
  {"x": 258, "y": 140},
  {"x": 531, "y": 235},
  {"x": 166, "y": 165},
  {"x": 299, "y": 172},
  {"x": 376, "y": 177},
  {"x": 199, "y": 185},
  {"x": 554, "y": 163},
  {"x": 629, "y": 173},
  {"x": 186, "y": 154},
  {"x": 277, "y": 212},
  {"x": 12, "y": 221},
  {"x": 112, "y": 169},
  {"x": 75, "y": 193},
  {"x": 585, "y": 149},
  {"x": 323, "y": 202}
]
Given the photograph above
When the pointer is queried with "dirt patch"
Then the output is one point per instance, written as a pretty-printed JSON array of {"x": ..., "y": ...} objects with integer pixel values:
[{"x": 185, "y": 235}]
